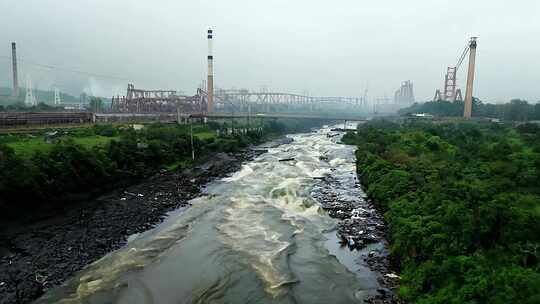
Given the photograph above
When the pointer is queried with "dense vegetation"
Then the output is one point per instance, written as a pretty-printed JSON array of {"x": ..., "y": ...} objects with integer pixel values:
[
  {"x": 462, "y": 203},
  {"x": 73, "y": 169},
  {"x": 515, "y": 110}
]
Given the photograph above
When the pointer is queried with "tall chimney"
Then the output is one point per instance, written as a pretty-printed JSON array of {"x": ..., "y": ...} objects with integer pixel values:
[
  {"x": 15, "y": 91},
  {"x": 210, "y": 92},
  {"x": 467, "y": 112}
]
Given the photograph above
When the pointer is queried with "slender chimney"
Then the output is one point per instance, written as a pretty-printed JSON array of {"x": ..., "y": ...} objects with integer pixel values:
[
  {"x": 210, "y": 91},
  {"x": 467, "y": 112},
  {"x": 15, "y": 91}
]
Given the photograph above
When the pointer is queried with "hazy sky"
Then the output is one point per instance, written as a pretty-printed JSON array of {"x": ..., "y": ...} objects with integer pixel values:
[{"x": 320, "y": 47}]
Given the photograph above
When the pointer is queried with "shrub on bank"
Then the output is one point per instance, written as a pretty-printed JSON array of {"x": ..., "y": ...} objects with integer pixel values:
[{"x": 462, "y": 202}]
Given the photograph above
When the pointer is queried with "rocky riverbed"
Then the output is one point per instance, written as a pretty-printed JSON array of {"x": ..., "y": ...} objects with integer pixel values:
[
  {"x": 361, "y": 224},
  {"x": 41, "y": 255},
  {"x": 34, "y": 258}
]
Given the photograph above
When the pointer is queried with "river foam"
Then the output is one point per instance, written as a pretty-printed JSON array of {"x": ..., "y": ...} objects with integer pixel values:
[{"x": 257, "y": 237}]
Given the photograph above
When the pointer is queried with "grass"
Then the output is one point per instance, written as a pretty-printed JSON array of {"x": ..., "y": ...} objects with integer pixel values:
[
  {"x": 92, "y": 141},
  {"x": 201, "y": 131},
  {"x": 204, "y": 135},
  {"x": 28, "y": 146}
]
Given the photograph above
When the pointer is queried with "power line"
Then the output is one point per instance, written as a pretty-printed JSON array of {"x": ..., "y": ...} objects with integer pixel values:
[
  {"x": 462, "y": 57},
  {"x": 69, "y": 70}
]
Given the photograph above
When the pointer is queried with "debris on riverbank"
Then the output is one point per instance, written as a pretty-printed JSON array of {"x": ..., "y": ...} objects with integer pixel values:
[
  {"x": 378, "y": 260},
  {"x": 286, "y": 159},
  {"x": 38, "y": 256},
  {"x": 361, "y": 224}
]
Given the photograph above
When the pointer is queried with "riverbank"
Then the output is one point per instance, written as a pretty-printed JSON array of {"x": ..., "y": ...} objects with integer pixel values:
[
  {"x": 361, "y": 229},
  {"x": 461, "y": 201},
  {"x": 45, "y": 254},
  {"x": 41, "y": 174},
  {"x": 258, "y": 224},
  {"x": 39, "y": 256},
  {"x": 57, "y": 219}
]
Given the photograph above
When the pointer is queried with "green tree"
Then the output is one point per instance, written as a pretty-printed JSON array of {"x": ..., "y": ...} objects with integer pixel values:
[{"x": 462, "y": 204}]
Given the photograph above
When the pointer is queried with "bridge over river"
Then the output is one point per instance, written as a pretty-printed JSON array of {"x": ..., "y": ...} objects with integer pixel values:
[
  {"x": 26, "y": 121},
  {"x": 339, "y": 117}
]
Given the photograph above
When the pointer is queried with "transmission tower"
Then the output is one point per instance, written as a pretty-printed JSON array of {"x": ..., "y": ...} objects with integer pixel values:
[
  {"x": 30, "y": 99},
  {"x": 451, "y": 91},
  {"x": 365, "y": 97},
  {"x": 57, "y": 97}
]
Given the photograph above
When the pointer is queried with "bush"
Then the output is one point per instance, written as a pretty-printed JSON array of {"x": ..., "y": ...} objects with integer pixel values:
[
  {"x": 461, "y": 202},
  {"x": 105, "y": 130}
]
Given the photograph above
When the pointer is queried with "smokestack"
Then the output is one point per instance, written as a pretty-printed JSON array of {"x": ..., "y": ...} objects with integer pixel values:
[
  {"x": 210, "y": 104},
  {"x": 15, "y": 91},
  {"x": 467, "y": 112}
]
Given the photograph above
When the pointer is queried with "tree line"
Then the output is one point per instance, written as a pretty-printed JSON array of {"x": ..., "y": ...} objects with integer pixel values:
[
  {"x": 515, "y": 110},
  {"x": 462, "y": 204}
]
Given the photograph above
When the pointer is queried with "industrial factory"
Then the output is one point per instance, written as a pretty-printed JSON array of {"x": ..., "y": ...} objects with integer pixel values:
[{"x": 208, "y": 99}]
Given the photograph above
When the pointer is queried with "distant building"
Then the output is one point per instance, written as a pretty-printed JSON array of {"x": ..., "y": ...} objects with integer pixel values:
[
  {"x": 405, "y": 94},
  {"x": 83, "y": 98},
  {"x": 424, "y": 115},
  {"x": 385, "y": 106}
]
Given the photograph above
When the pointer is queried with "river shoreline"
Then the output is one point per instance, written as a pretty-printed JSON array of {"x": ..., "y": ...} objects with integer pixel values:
[
  {"x": 44, "y": 254},
  {"x": 362, "y": 230},
  {"x": 38, "y": 256}
]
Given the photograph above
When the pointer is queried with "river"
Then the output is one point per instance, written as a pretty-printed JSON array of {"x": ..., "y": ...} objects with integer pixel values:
[{"x": 257, "y": 236}]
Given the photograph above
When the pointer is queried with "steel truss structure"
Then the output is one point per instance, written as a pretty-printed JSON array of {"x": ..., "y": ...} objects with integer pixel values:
[
  {"x": 268, "y": 101},
  {"x": 451, "y": 92},
  {"x": 168, "y": 101},
  {"x": 156, "y": 101}
]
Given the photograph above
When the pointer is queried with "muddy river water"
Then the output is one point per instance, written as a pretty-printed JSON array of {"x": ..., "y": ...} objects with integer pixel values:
[{"x": 257, "y": 236}]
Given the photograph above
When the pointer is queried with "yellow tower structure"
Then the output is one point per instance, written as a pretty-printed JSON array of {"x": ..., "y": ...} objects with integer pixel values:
[{"x": 467, "y": 112}]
